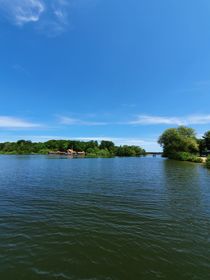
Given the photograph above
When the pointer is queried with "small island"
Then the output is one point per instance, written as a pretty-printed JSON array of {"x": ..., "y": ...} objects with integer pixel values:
[{"x": 71, "y": 148}]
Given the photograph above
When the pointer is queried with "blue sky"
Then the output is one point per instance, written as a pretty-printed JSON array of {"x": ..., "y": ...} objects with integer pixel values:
[{"x": 103, "y": 69}]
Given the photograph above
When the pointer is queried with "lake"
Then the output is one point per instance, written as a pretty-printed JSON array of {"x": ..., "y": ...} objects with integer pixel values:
[{"x": 121, "y": 218}]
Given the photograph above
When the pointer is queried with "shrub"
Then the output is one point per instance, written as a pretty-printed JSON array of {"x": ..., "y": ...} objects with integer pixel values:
[
  {"x": 184, "y": 156},
  {"x": 101, "y": 153}
]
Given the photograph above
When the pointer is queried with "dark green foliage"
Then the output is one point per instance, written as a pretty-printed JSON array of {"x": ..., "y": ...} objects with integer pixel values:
[
  {"x": 204, "y": 143},
  {"x": 206, "y": 138},
  {"x": 208, "y": 162},
  {"x": 109, "y": 145},
  {"x": 129, "y": 151},
  {"x": 91, "y": 148},
  {"x": 202, "y": 146}
]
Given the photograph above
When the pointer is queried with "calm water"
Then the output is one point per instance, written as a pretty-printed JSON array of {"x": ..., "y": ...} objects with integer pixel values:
[{"x": 129, "y": 218}]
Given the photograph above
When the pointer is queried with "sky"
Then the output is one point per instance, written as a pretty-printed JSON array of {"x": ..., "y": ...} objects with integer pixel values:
[{"x": 103, "y": 69}]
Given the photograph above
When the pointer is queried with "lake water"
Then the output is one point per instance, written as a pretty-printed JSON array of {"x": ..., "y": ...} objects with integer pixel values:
[{"x": 122, "y": 218}]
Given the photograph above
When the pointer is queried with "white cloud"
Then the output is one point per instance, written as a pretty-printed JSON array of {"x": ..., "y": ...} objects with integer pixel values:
[
  {"x": 56, "y": 19},
  {"x": 51, "y": 17},
  {"x": 159, "y": 120},
  {"x": 144, "y": 120},
  {"x": 23, "y": 11},
  {"x": 199, "y": 119},
  {"x": 8, "y": 122},
  {"x": 72, "y": 121}
]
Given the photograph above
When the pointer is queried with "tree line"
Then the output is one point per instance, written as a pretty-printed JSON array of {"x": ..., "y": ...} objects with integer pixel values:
[{"x": 91, "y": 148}]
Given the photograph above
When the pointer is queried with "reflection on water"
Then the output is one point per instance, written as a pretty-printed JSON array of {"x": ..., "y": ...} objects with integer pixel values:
[
  {"x": 129, "y": 218},
  {"x": 183, "y": 188}
]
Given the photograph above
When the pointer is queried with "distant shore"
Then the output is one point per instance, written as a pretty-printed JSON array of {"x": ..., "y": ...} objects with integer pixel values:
[{"x": 71, "y": 147}]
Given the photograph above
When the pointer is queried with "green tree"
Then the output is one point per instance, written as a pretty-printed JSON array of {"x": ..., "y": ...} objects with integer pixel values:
[
  {"x": 90, "y": 145},
  {"x": 206, "y": 138},
  {"x": 202, "y": 146},
  {"x": 181, "y": 139},
  {"x": 52, "y": 145},
  {"x": 109, "y": 145},
  {"x": 129, "y": 151}
]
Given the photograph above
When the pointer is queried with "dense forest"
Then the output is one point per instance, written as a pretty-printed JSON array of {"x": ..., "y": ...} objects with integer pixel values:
[{"x": 91, "y": 148}]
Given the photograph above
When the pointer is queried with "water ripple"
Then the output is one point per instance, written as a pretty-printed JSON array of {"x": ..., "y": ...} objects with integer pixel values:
[{"x": 105, "y": 219}]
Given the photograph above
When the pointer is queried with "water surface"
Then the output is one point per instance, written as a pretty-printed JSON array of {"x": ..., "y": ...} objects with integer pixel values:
[{"x": 123, "y": 218}]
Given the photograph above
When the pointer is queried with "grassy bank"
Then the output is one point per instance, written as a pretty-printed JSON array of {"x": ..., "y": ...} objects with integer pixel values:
[{"x": 185, "y": 156}]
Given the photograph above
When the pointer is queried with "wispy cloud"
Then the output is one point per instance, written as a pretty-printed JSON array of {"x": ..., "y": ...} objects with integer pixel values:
[
  {"x": 56, "y": 18},
  {"x": 166, "y": 120},
  {"x": 21, "y": 12},
  {"x": 199, "y": 119},
  {"x": 72, "y": 121},
  {"x": 143, "y": 120},
  {"x": 8, "y": 122},
  {"x": 51, "y": 17}
]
